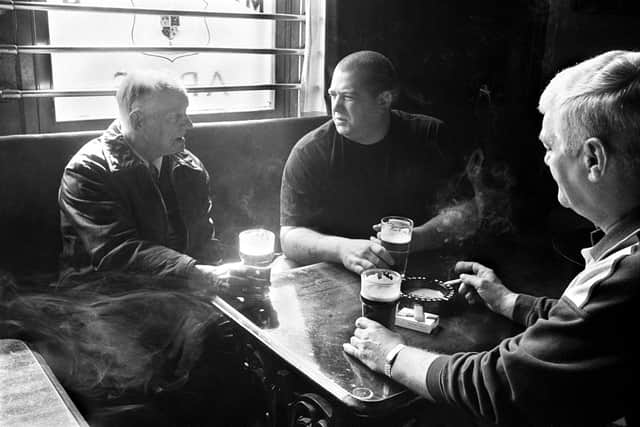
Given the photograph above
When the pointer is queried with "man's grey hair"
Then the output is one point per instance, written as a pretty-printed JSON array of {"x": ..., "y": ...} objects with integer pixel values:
[
  {"x": 138, "y": 86},
  {"x": 376, "y": 70},
  {"x": 600, "y": 98}
]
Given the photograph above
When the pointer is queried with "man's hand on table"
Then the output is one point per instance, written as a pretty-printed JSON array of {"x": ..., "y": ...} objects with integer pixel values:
[
  {"x": 232, "y": 279},
  {"x": 371, "y": 342},
  {"x": 480, "y": 284},
  {"x": 358, "y": 255}
]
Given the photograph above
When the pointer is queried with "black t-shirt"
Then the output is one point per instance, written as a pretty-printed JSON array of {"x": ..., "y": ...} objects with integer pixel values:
[{"x": 340, "y": 187}]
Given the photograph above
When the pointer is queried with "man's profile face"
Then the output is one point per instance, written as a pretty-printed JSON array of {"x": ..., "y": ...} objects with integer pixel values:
[
  {"x": 355, "y": 110},
  {"x": 564, "y": 164},
  {"x": 166, "y": 122}
]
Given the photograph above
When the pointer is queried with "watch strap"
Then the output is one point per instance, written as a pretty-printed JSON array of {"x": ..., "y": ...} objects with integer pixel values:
[{"x": 391, "y": 357}]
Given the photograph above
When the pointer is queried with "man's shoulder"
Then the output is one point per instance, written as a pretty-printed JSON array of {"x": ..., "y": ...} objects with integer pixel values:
[
  {"x": 403, "y": 115},
  {"x": 108, "y": 152},
  {"x": 91, "y": 153},
  {"x": 316, "y": 141},
  {"x": 418, "y": 123},
  {"x": 323, "y": 134}
]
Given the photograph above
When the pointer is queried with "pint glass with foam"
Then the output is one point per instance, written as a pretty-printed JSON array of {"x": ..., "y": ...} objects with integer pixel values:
[
  {"x": 379, "y": 293},
  {"x": 395, "y": 236}
]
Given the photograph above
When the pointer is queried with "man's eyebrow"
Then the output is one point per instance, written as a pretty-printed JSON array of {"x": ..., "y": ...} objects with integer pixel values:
[{"x": 342, "y": 92}]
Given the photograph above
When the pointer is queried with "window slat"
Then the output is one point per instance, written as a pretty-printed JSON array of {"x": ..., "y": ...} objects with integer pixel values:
[
  {"x": 39, "y": 49},
  {"x": 26, "y": 5},
  {"x": 51, "y": 93}
]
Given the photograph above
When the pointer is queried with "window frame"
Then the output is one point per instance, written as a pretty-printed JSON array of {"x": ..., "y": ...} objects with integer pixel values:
[{"x": 35, "y": 73}]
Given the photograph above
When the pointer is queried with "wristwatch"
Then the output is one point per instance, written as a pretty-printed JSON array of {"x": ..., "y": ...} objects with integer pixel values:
[{"x": 391, "y": 357}]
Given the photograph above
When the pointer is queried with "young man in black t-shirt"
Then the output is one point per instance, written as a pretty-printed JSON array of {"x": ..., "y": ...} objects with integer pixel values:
[{"x": 368, "y": 162}]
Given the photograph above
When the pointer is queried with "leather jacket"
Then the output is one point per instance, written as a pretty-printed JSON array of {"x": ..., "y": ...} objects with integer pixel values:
[{"x": 113, "y": 216}]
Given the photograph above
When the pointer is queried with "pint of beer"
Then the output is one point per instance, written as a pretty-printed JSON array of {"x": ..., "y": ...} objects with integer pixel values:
[
  {"x": 256, "y": 247},
  {"x": 395, "y": 235},
  {"x": 379, "y": 293}
]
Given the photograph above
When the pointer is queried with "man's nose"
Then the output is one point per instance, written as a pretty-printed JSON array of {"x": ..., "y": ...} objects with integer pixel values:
[
  {"x": 188, "y": 123},
  {"x": 546, "y": 158},
  {"x": 337, "y": 104}
]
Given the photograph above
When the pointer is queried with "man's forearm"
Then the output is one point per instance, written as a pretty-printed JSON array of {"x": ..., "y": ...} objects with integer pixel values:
[
  {"x": 307, "y": 246},
  {"x": 411, "y": 367}
]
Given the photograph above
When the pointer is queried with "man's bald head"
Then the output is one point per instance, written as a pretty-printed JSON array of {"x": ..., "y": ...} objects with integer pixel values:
[{"x": 374, "y": 71}]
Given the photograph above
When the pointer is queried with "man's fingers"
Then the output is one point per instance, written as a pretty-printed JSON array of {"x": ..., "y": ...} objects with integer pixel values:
[
  {"x": 381, "y": 254},
  {"x": 245, "y": 287},
  {"x": 471, "y": 298},
  {"x": 464, "y": 267},
  {"x": 355, "y": 341},
  {"x": 361, "y": 333},
  {"x": 363, "y": 264},
  {"x": 350, "y": 349},
  {"x": 364, "y": 322},
  {"x": 468, "y": 290},
  {"x": 469, "y": 267},
  {"x": 238, "y": 269},
  {"x": 471, "y": 281}
]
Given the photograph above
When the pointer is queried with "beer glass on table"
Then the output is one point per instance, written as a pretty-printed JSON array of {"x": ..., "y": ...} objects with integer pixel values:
[
  {"x": 395, "y": 236},
  {"x": 379, "y": 293},
  {"x": 256, "y": 247}
]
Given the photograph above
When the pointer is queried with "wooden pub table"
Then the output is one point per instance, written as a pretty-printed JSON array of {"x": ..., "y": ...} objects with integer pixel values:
[
  {"x": 30, "y": 395},
  {"x": 296, "y": 336}
]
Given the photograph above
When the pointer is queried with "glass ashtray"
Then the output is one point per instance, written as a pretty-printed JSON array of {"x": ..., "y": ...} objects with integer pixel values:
[{"x": 434, "y": 295}]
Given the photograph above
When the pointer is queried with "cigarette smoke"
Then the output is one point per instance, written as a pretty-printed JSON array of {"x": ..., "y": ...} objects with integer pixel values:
[
  {"x": 488, "y": 211},
  {"x": 113, "y": 335},
  {"x": 492, "y": 193}
]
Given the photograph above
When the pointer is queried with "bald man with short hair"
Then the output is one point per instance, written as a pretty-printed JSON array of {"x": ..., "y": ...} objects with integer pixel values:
[{"x": 367, "y": 162}]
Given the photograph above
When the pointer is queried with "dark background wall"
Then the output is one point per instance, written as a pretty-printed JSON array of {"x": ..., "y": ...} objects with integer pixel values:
[{"x": 481, "y": 66}]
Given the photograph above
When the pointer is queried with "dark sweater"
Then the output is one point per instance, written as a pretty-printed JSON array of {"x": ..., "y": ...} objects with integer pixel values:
[{"x": 575, "y": 364}]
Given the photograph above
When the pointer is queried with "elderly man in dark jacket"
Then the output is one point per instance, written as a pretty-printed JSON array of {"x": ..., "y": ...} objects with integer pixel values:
[{"x": 134, "y": 199}]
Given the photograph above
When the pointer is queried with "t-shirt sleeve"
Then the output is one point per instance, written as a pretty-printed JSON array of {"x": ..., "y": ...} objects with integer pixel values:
[{"x": 301, "y": 191}]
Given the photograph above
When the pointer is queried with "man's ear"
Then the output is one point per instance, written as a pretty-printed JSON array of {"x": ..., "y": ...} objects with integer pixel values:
[
  {"x": 595, "y": 158},
  {"x": 135, "y": 119},
  {"x": 385, "y": 98}
]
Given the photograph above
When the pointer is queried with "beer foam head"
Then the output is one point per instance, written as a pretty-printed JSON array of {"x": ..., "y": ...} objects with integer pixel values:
[
  {"x": 256, "y": 242},
  {"x": 396, "y": 230},
  {"x": 395, "y": 236},
  {"x": 379, "y": 284}
]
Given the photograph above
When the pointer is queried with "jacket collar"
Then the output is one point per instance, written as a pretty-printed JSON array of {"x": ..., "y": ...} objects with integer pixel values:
[
  {"x": 623, "y": 233},
  {"x": 120, "y": 155}
]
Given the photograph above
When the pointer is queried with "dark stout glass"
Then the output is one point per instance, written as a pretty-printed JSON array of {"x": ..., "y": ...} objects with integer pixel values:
[{"x": 379, "y": 294}]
